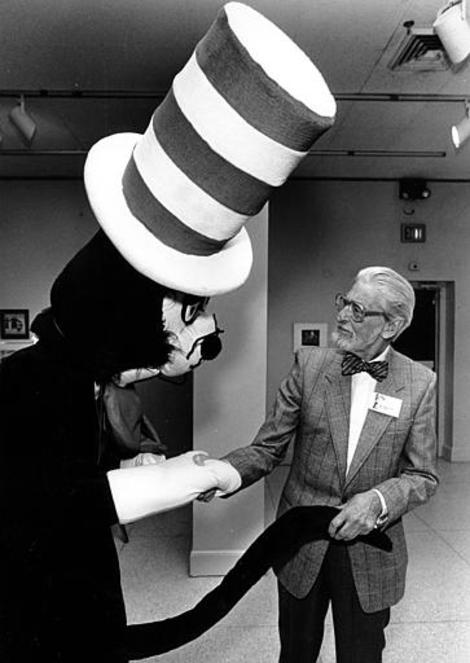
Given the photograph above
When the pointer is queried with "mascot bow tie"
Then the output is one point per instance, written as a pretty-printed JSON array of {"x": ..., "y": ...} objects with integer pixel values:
[
  {"x": 352, "y": 364},
  {"x": 273, "y": 548}
]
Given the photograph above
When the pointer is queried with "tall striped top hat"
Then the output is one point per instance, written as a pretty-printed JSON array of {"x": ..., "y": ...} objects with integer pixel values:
[{"x": 239, "y": 117}]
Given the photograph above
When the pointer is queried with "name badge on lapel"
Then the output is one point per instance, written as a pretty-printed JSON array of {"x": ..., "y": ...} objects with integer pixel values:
[{"x": 386, "y": 404}]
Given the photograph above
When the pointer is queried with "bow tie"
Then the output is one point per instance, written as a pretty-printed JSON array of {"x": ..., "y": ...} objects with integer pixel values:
[{"x": 353, "y": 364}]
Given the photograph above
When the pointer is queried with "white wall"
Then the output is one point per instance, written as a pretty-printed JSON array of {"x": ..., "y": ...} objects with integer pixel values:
[
  {"x": 229, "y": 407},
  {"x": 42, "y": 225}
]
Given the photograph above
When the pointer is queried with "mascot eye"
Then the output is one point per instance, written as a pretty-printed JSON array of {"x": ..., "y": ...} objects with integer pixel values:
[{"x": 192, "y": 307}]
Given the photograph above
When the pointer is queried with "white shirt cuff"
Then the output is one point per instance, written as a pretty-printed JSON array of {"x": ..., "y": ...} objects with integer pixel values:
[{"x": 382, "y": 502}]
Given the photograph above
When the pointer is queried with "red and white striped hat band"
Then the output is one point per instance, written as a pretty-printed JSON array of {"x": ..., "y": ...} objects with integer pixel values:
[
  {"x": 224, "y": 136},
  {"x": 240, "y": 116}
]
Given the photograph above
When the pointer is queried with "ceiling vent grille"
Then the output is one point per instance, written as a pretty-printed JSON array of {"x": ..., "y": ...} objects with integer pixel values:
[{"x": 421, "y": 50}]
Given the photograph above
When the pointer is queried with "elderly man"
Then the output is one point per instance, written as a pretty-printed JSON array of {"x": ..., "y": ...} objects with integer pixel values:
[{"x": 362, "y": 418}]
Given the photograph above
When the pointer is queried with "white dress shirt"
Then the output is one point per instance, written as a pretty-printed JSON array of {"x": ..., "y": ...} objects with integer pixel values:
[{"x": 362, "y": 390}]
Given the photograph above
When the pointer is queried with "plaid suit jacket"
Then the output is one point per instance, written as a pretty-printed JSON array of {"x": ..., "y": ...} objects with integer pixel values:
[{"x": 395, "y": 455}]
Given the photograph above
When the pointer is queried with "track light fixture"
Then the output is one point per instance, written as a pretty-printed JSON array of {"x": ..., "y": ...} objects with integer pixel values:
[
  {"x": 453, "y": 29},
  {"x": 461, "y": 132},
  {"x": 23, "y": 121}
]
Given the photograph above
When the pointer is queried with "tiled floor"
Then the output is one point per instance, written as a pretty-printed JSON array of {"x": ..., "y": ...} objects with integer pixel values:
[{"x": 430, "y": 625}]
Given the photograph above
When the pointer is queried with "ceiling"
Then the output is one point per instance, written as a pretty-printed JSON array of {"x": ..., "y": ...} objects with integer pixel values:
[{"x": 89, "y": 68}]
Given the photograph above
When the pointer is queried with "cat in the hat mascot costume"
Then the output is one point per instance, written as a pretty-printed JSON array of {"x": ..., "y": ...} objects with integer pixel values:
[{"x": 172, "y": 205}]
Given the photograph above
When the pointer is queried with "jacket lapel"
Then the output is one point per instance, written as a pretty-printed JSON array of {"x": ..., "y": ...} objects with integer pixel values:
[
  {"x": 376, "y": 423},
  {"x": 338, "y": 406}
]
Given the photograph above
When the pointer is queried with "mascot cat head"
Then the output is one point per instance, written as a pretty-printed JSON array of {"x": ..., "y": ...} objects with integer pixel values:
[{"x": 125, "y": 325}]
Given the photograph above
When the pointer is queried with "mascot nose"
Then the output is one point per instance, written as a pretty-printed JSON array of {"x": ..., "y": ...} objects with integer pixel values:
[{"x": 211, "y": 346}]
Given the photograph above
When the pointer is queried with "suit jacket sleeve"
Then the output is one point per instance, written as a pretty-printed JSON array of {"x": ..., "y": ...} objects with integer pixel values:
[
  {"x": 272, "y": 440},
  {"x": 417, "y": 480}
]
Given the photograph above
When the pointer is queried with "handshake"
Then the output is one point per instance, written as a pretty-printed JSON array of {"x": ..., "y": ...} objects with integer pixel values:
[{"x": 155, "y": 486}]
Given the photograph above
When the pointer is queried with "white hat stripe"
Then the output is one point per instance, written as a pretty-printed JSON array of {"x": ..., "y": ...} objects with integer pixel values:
[
  {"x": 232, "y": 187},
  {"x": 178, "y": 193},
  {"x": 159, "y": 221},
  {"x": 227, "y": 132}
]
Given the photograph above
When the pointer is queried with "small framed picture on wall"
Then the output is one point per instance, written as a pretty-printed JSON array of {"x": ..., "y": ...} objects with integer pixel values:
[
  {"x": 310, "y": 334},
  {"x": 14, "y": 324}
]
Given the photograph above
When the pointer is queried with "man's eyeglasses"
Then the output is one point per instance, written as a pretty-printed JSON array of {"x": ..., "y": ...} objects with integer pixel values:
[{"x": 358, "y": 311}]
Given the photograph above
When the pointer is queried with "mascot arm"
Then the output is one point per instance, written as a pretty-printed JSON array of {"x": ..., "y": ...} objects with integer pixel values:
[{"x": 142, "y": 491}]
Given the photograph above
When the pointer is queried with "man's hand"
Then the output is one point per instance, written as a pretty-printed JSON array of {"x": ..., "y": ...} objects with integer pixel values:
[
  {"x": 147, "y": 489},
  {"x": 357, "y": 517},
  {"x": 207, "y": 496}
]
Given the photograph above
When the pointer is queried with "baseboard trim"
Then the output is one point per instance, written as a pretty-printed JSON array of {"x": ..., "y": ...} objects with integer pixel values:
[
  {"x": 460, "y": 455},
  {"x": 446, "y": 452}
]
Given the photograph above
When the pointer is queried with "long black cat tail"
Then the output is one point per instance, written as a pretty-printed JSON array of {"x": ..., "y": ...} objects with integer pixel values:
[{"x": 272, "y": 549}]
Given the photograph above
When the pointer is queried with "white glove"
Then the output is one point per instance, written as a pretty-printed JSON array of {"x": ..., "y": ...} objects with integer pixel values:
[{"x": 148, "y": 489}]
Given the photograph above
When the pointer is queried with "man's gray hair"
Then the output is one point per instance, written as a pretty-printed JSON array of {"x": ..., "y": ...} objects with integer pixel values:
[{"x": 397, "y": 291}]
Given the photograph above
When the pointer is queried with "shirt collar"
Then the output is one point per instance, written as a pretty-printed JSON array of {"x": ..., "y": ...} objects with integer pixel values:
[{"x": 382, "y": 355}]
